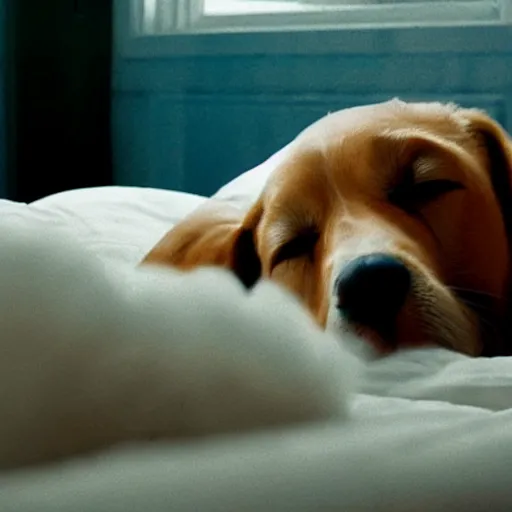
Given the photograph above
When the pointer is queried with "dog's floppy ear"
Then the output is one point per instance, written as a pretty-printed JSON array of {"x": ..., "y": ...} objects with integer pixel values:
[
  {"x": 216, "y": 234},
  {"x": 497, "y": 146}
]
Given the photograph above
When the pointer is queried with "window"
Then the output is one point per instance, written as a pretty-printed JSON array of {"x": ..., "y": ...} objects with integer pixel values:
[{"x": 196, "y": 16}]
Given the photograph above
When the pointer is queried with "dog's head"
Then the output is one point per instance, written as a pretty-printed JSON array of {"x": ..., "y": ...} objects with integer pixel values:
[{"x": 389, "y": 220}]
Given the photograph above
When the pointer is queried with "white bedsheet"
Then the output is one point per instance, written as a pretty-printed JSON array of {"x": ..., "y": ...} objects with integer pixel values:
[{"x": 430, "y": 429}]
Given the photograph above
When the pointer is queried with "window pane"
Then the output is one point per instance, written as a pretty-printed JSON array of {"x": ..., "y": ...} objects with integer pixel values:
[
  {"x": 226, "y": 7},
  {"x": 233, "y": 7}
]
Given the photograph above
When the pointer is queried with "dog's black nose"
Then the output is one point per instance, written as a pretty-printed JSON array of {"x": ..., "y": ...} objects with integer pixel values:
[{"x": 372, "y": 289}]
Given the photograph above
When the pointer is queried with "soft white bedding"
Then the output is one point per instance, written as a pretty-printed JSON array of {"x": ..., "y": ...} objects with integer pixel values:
[{"x": 430, "y": 429}]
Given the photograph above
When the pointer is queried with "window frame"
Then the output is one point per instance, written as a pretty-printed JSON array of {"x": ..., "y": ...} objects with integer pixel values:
[{"x": 191, "y": 36}]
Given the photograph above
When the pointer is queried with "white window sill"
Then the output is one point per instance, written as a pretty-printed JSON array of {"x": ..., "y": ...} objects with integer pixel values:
[{"x": 341, "y": 17}]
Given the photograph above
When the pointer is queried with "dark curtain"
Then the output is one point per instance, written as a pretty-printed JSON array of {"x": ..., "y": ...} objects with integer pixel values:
[{"x": 58, "y": 72}]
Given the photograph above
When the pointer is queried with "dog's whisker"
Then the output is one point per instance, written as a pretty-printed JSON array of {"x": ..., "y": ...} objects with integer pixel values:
[
  {"x": 478, "y": 293},
  {"x": 476, "y": 305}
]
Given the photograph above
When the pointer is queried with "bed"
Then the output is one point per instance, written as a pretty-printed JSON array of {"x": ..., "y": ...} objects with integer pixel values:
[{"x": 429, "y": 429}]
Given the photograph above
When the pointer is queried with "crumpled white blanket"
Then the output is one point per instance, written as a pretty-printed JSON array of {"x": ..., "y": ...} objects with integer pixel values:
[
  {"x": 428, "y": 430},
  {"x": 94, "y": 354}
]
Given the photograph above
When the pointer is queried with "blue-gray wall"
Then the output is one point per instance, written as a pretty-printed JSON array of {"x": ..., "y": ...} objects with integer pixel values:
[{"x": 222, "y": 104}]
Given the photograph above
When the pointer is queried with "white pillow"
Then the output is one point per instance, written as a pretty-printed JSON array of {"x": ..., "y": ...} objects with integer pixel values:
[{"x": 116, "y": 223}]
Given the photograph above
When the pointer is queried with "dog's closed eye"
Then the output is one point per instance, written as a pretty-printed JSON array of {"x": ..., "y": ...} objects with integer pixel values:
[
  {"x": 302, "y": 244},
  {"x": 410, "y": 196}
]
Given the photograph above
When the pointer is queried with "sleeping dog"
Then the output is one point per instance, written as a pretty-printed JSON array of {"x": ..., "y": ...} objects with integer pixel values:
[{"x": 387, "y": 220}]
